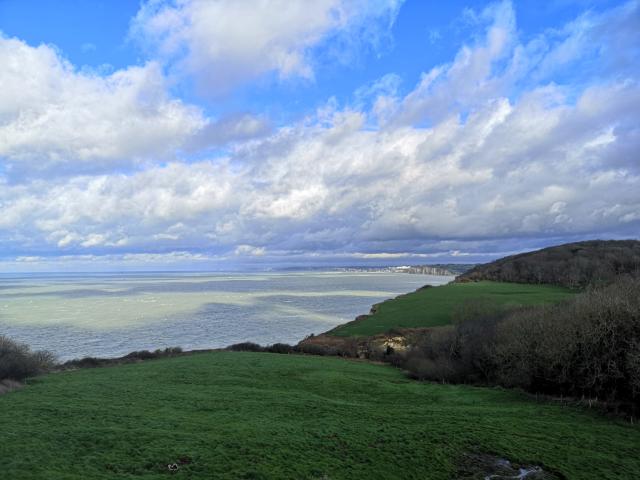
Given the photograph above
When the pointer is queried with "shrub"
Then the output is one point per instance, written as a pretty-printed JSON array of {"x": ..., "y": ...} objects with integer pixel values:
[
  {"x": 245, "y": 347},
  {"x": 439, "y": 370},
  {"x": 349, "y": 347},
  {"x": 147, "y": 355},
  {"x": 142, "y": 355},
  {"x": 18, "y": 362},
  {"x": 315, "y": 349},
  {"x": 86, "y": 362},
  {"x": 345, "y": 347},
  {"x": 587, "y": 346},
  {"x": 280, "y": 348},
  {"x": 462, "y": 352}
]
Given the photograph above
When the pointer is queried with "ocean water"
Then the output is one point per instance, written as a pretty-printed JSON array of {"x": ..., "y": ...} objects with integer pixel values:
[{"x": 110, "y": 315}]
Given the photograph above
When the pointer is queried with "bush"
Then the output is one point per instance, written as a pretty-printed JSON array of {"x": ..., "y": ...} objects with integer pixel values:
[
  {"x": 421, "y": 367},
  {"x": 588, "y": 346},
  {"x": 142, "y": 355},
  {"x": 173, "y": 350},
  {"x": 343, "y": 347},
  {"x": 18, "y": 362},
  {"x": 280, "y": 348},
  {"x": 316, "y": 349},
  {"x": 585, "y": 347},
  {"x": 86, "y": 362},
  {"x": 158, "y": 353},
  {"x": 245, "y": 347},
  {"x": 462, "y": 352}
]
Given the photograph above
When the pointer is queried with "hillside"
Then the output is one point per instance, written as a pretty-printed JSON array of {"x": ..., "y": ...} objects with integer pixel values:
[
  {"x": 573, "y": 265},
  {"x": 231, "y": 415},
  {"x": 435, "y": 306}
]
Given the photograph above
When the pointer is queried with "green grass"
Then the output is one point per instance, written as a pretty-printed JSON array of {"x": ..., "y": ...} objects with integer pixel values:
[
  {"x": 248, "y": 415},
  {"x": 432, "y": 307}
]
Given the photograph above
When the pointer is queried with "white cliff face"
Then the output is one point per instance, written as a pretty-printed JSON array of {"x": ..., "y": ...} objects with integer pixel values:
[{"x": 425, "y": 270}]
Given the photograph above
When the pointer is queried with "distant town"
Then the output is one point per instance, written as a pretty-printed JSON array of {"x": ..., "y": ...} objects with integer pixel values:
[{"x": 439, "y": 269}]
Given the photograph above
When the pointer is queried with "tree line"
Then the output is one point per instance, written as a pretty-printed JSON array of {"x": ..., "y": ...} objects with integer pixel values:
[{"x": 573, "y": 265}]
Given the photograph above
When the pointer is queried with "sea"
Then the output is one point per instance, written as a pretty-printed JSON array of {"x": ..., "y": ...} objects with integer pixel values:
[{"x": 109, "y": 315}]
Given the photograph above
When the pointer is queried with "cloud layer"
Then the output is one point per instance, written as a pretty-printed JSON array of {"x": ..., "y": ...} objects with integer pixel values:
[{"x": 487, "y": 153}]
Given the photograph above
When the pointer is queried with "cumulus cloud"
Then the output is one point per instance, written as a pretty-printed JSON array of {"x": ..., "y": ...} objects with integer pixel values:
[
  {"x": 119, "y": 210},
  {"x": 474, "y": 160},
  {"x": 55, "y": 118},
  {"x": 275, "y": 37}
]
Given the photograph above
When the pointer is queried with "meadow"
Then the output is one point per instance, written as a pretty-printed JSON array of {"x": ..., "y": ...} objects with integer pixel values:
[
  {"x": 435, "y": 306},
  {"x": 232, "y": 415}
]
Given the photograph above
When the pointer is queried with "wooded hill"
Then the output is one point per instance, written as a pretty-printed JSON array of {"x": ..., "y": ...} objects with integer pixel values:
[{"x": 573, "y": 265}]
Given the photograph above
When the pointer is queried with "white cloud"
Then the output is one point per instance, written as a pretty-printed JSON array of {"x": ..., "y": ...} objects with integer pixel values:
[
  {"x": 272, "y": 37},
  {"x": 56, "y": 119},
  {"x": 250, "y": 250}
]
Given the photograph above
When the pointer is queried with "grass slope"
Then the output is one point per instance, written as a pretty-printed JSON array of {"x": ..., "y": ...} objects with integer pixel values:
[
  {"x": 246, "y": 415},
  {"x": 432, "y": 307}
]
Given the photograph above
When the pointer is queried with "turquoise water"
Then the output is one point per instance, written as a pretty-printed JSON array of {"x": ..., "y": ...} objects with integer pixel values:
[{"x": 110, "y": 315}]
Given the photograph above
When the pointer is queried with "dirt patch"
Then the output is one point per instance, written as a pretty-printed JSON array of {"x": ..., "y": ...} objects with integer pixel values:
[
  {"x": 368, "y": 346},
  {"x": 483, "y": 466}
]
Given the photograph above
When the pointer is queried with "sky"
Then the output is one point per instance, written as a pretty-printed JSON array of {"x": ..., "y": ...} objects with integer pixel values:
[{"x": 260, "y": 134}]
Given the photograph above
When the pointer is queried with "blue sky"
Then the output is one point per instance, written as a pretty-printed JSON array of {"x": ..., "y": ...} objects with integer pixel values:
[{"x": 227, "y": 135}]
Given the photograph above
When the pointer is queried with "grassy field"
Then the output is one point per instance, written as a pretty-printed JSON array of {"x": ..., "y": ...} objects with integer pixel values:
[
  {"x": 432, "y": 307},
  {"x": 238, "y": 415}
]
